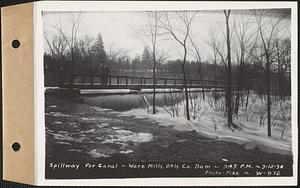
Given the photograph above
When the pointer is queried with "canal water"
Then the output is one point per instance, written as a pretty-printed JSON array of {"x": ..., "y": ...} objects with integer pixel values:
[
  {"x": 126, "y": 102},
  {"x": 130, "y": 101}
]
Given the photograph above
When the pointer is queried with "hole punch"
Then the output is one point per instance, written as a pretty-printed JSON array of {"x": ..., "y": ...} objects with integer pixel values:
[
  {"x": 15, "y": 43},
  {"x": 16, "y": 146}
]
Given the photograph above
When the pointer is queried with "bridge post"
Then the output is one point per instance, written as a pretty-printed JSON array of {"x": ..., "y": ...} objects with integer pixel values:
[
  {"x": 166, "y": 82},
  {"x": 118, "y": 80}
]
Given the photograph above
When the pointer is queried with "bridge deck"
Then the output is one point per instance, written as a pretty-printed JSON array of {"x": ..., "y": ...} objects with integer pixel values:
[
  {"x": 94, "y": 81},
  {"x": 138, "y": 87}
]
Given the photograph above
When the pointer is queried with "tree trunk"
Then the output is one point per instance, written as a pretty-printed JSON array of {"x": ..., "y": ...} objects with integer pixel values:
[
  {"x": 215, "y": 77},
  {"x": 229, "y": 94},
  {"x": 200, "y": 78},
  {"x": 239, "y": 89},
  {"x": 248, "y": 93},
  {"x": 185, "y": 86},
  {"x": 268, "y": 96},
  {"x": 280, "y": 75},
  {"x": 237, "y": 102},
  {"x": 154, "y": 80},
  {"x": 71, "y": 80},
  {"x": 186, "y": 92}
]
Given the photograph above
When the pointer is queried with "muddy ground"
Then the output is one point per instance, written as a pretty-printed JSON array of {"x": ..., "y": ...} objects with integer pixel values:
[{"x": 80, "y": 132}]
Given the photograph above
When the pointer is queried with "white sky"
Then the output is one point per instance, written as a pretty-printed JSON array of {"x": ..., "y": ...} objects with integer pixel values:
[{"x": 119, "y": 29}]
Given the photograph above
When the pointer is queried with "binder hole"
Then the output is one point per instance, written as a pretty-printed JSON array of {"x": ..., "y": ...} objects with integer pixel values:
[
  {"x": 15, "y": 43},
  {"x": 16, "y": 146}
]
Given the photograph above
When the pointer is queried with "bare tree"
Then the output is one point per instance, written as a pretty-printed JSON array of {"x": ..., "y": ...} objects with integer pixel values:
[
  {"x": 69, "y": 34},
  {"x": 212, "y": 42},
  {"x": 283, "y": 63},
  {"x": 229, "y": 88},
  {"x": 113, "y": 53},
  {"x": 216, "y": 42},
  {"x": 151, "y": 35},
  {"x": 244, "y": 43},
  {"x": 196, "y": 52},
  {"x": 267, "y": 30},
  {"x": 57, "y": 47},
  {"x": 85, "y": 45},
  {"x": 223, "y": 51},
  {"x": 118, "y": 59},
  {"x": 181, "y": 36}
]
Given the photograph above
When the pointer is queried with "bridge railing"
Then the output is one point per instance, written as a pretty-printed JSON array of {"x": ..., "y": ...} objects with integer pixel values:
[{"x": 96, "y": 79}]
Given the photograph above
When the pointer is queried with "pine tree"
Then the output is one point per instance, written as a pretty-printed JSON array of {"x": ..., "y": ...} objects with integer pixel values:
[
  {"x": 146, "y": 59},
  {"x": 136, "y": 64},
  {"x": 98, "y": 53}
]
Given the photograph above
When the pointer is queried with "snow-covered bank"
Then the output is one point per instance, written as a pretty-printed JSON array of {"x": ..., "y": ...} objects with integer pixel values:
[{"x": 211, "y": 122}]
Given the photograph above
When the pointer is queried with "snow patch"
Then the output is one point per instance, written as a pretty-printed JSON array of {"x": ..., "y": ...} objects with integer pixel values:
[
  {"x": 57, "y": 122},
  {"x": 98, "y": 109},
  {"x": 163, "y": 119},
  {"x": 90, "y": 131},
  {"x": 126, "y": 152},
  {"x": 95, "y": 154},
  {"x": 137, "y": 138},
  {"x": 57, "y": 114},
  {"x": 102, "y": 125},
  {"x": 88, "y": 119},
  {"x": 64, "y": 143},
  {"x": 75, "y": 150},
  {"x": 252, "y": 133}
]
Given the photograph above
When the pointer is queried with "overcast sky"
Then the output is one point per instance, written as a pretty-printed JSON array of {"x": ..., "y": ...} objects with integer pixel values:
[{"x": 121, "y": 29}]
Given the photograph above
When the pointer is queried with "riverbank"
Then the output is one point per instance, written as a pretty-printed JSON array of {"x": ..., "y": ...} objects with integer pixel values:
[{"x": 80, "y": 132}]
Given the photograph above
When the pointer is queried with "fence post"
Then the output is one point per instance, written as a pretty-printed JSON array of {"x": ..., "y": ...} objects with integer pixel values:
[
  {"x": 92, "y": 80},
  {"x": 82, "y": 79},
  {"x": 126, "y": 80}
]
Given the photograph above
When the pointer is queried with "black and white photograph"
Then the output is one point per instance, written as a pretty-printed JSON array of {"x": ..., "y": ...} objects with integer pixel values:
[{"x": 167, "y": 93}]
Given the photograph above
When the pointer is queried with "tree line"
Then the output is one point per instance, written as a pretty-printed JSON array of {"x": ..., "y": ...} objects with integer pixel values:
[{"x": 250, "y": 50}]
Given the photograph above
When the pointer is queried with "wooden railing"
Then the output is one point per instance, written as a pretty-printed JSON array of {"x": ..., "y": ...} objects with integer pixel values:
[{"x": 111, "y": 80}]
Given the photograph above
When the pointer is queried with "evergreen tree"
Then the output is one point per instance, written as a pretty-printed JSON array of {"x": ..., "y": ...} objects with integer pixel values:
[
  {"x": 146, "y": 59},
  {"x": 136, "y": 63},
  {"x": 99, "y": 57}
]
